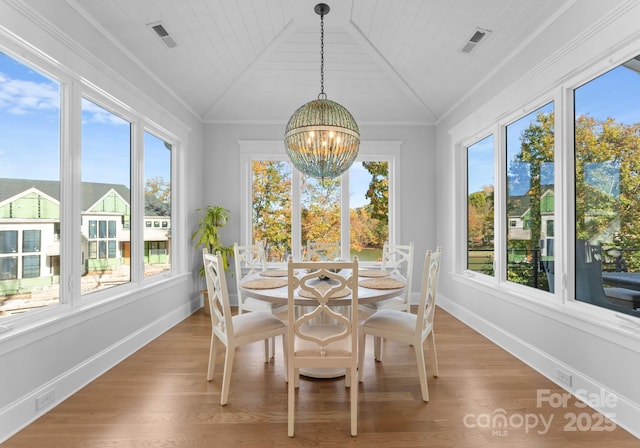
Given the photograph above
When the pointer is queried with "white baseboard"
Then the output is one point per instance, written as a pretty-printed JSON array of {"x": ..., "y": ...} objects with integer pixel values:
[
  {"x": 22, "y": 412},
  {"x": 625, "y": 414}
]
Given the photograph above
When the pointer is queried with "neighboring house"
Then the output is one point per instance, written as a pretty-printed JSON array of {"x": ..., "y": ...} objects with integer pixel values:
[
  {"x": 519, "y": 215},
  {"x": 30, "y": 233}
]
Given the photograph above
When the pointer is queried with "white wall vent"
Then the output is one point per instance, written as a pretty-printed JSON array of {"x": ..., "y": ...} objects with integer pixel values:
[
  {"x": 474, "y": 40},
  {"x": 159, "y": 29}
]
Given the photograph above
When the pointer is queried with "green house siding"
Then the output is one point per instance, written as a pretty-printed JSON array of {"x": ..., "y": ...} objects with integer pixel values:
[
  {"x": 547, "y": 203},
  {"x": 31, "y": 206},
  {"x": 111, "y": 203}
]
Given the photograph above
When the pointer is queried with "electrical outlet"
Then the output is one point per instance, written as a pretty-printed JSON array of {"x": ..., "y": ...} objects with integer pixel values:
[
  {"x": 564, "y": 377},
  {"x": 45, "y": 399}
]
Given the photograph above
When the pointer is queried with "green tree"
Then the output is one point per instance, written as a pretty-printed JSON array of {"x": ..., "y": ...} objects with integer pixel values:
[
  {"x": 320, "y": 209},
  {"x": 271, "y": 207},
  {"x": 378, "y": 196},
  {"x": 157, "y": 197}
]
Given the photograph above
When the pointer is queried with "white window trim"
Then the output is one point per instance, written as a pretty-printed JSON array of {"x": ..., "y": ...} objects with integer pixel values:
[
  {"x": 72, "y": 89},
  {"x": 561, "y": 305},
  {"x": 250, "y": 150}
]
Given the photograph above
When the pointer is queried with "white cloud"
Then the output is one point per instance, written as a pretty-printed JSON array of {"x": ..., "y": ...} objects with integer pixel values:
[
  {"x": 20, "y": 97},
  {"x": 92, "y": 113}
]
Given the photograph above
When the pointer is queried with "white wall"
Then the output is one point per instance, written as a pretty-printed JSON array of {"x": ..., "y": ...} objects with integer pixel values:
[
  {"x": 73, "y": 346},
  {"x": 416, "y": 178},
  {"x": 603, "y": 355}
]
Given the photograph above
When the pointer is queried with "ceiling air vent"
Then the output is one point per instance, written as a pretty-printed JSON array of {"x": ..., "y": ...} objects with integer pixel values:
[
  {"x": 163, "y": 34},
  {"x": 474, "y": 40}
]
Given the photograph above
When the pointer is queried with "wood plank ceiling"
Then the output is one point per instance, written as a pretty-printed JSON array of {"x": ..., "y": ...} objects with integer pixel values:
[{"x": 256, "y": 61}]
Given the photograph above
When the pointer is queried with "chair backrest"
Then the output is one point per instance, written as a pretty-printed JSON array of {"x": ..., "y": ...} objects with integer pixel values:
[
  {"x": 322, "y": 251},
  {"x": 218, "y": 293},
  {"x": 320, "y": 282},
  {"x": 428, "y": 290},
  {"x": 398, "y": 259},
  {"x": 250, "y": 258}
]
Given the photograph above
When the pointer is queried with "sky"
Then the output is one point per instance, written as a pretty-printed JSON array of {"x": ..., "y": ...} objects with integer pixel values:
[
  {"x": 29, "y": 125},
  {"x": 614, "y": 94},
  {"x": 30, "y": 142}
]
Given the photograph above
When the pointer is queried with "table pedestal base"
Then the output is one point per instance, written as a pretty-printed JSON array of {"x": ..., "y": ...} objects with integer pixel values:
[{"x": 324, "y": 373}]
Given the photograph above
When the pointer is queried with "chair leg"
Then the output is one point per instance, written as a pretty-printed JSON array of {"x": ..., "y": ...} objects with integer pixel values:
[
  {"x": 212, "y": 357},
  {"x": 377, "y": 348},
  {"x": 286, "y": 358},
  {"x": 266, "y": 351},
  {"x": 422, "y": 371},
  {"x": 226, "y": 377},
  {"x": 361, "y": 349},
  {"x": 432, "y": 349},
  {"x": 291, "y": 400},
  {"x": 354, "y": 400},
  {"x": 272, "y": 348}
]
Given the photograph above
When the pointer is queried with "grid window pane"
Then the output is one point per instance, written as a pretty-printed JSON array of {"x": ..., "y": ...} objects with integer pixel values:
[
  {"x": 112, "y": 249},
  {"x": 102, "y": 229},
  {"x": 8, "y": 241},
  {"x": 31, "y": 266},
  {"x": 8, "y": 268},
  {"x": 31, "y": 241},
  {"x": 112, "y": 229}
]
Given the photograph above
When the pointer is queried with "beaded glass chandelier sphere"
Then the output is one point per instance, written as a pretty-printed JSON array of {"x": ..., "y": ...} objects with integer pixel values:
[{"x": 322, "y": 137}]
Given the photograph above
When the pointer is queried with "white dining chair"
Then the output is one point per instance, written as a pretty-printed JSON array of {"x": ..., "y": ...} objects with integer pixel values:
[
  {"x": 406, "y": 327},
  {"x": 397, "y": 260},
  {"x": 323, "y": 336},
  {"x": 250, "y": 259},
  {"x": 238, "y": 330}
]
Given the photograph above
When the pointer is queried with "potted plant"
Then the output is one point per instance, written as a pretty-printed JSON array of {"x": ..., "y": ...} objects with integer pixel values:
[{"x": 207, "y": 235}]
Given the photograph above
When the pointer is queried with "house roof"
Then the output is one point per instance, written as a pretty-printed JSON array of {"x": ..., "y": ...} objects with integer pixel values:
[{"x": 91, "y": 191}]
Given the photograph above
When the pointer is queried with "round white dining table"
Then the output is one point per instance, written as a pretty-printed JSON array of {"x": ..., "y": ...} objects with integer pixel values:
[{"x": 280, "y": 295}]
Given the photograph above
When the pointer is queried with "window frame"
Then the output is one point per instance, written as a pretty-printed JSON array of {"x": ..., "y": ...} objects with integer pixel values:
[
  {"x": 562, "y": 94},
  {"x": 138, "y": 110},
  {"x": 501, "y": 224},
  {"x": 252, "y": 150}
]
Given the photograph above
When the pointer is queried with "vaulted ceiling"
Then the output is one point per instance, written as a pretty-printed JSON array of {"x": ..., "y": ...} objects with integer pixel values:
[{"x": 256, "y": 61}]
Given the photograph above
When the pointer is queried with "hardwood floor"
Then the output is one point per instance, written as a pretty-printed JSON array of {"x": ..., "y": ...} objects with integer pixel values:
[{"x": 159, "y": 397}]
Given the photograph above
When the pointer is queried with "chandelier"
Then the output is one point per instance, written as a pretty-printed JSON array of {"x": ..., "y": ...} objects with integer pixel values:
[{"x": 322, "y": 137}]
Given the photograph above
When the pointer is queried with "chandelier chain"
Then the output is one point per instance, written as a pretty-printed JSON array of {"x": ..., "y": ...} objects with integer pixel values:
[{"x": 322, "y": 94}]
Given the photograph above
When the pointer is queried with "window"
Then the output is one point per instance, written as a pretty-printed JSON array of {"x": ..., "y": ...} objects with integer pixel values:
[
  {"x": 35, "y": 229},
  {"x": 106, "y": 144},
  {"x": 607, "y": 180},
  {"x": 157, "y": 202},
  {"x": 8, "y": 241},
  {"x": 30, "y": 129},
  {"x": 31, "y": 241},
  {"x": 530, "y": 182},
  {"x": 318, "y": 209},
  {"x": 31, "y": 266},
  {"x": 8, "y": 268},
  {"x": 271, "y": 207},
  {"x": 368, "y": 209},
  {"x": 480, "y": 216}
]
